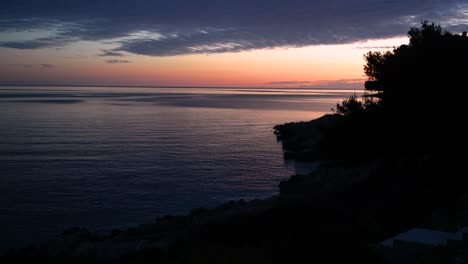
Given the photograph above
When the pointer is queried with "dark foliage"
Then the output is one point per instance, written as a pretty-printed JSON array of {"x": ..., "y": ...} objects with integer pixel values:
[
  {"x": 419, "y": 104},
  {"x": 412, "y": 135},
  {"x": 422, "y": 85},
  {"x": 354, "y": 105}
]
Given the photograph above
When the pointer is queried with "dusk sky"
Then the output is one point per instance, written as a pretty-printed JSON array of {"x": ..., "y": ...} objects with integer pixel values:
[{"x": 257, "y": 43}]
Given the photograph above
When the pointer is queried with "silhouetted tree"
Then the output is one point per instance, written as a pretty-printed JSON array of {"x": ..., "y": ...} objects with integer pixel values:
[
  {"x": 354, "y": 105},
  {"x": 418, "y": 104},
  {"x": 421, "y": 83}
]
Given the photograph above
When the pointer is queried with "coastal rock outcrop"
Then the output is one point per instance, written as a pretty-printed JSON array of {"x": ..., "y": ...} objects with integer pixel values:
[{"x": 300, "y": 139}]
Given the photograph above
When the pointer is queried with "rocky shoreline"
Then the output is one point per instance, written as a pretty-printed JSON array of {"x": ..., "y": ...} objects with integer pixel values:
[
  {"x": 300, "y": 139},
  {"x": 162, "y": 234},
  {"x": 166, "y": 232},
  {"x": 340, "y": 207}
]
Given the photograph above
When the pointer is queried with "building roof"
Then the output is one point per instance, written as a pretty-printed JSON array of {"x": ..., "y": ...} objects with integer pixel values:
[{"x": 425, "y": 237}]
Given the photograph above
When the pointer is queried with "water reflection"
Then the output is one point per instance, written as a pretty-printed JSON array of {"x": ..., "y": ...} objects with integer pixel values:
[{"x": 112, "y": 157}]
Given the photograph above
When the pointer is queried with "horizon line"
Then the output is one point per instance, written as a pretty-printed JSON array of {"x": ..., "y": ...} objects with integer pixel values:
[{"x": 170, "y": 86}]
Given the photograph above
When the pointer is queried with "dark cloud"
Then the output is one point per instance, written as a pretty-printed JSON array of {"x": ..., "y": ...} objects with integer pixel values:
[
  {"x": 111, "y": 53},
  {"x": 340, "y": 84},
  {"x": 117, "y": 61},
  {"x": 289, "y": 82},
  {"x": 376, "y": 47},
  {"x": 175, "y": 27},
  {"x": 47, "y": 66},
  {"x": 28, "y": 66},
  {"x": 75, "y": 57},
  {"x": 23, "y": 45},
  {"x": 56, "y": 41}
]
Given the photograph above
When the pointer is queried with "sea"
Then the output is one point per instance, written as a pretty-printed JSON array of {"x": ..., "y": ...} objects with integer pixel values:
[{"x": 115, "y": 157}]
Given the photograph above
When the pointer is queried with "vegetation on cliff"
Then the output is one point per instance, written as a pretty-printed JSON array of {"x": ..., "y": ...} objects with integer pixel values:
[{"x": 413, "y": 102}]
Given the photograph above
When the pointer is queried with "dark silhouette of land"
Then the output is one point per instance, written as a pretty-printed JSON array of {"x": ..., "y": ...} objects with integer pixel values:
[{"x": 389, "y": 161}]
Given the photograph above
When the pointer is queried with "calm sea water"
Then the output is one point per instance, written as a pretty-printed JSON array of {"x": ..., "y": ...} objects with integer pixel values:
[{"x": 106, "y": 158}]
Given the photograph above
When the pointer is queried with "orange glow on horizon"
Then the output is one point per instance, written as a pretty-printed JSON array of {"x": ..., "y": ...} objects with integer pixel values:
[{"x": 295, "y": 67}]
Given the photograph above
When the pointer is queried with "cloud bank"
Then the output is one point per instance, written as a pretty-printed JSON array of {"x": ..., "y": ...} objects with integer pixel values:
[
  {"x": 47, "y": 66},
  {"x": 117, "y": 61},
  {"x": 179, "y": 27},
  {"x": 111, "y": 53}
]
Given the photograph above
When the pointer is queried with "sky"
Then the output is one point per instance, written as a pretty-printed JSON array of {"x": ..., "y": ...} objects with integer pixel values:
[{"x": 251, "y": 43}]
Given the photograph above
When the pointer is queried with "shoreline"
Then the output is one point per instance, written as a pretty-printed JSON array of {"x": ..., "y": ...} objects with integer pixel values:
[
  {"x": 127, "y": 239},
  {"x": 339, "y": 207}
]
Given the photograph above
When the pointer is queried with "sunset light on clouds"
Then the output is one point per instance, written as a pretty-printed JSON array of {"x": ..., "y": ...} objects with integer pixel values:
[
  {"x": 222, "y": 43},
  {"x": 293, "y": 67}
]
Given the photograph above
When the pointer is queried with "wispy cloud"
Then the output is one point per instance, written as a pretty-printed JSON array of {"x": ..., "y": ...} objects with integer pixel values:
[
  {"x": 117, "y": 61},
  {"x": 175, "y": 27},
  {"x": 75, "y": 57},
  {"x": 341, "y": 83},
  {"x": 375, "y": 47},
  {"x": 47, "y": 66},
  {"x": 111, "y": 53},
  {"x": 28, "y": 66},
  {"x": 289, "y": 82}
]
